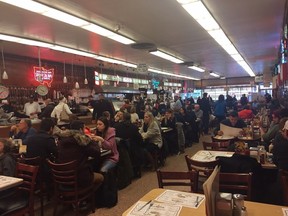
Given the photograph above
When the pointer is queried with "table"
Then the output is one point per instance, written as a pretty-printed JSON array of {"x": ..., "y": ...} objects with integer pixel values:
[
  {"x": 219, "y": 138},
  {"x": 253, "y": 208},
  {"x": 7, "y": 182},
  {"x": 206, "y": 156}
]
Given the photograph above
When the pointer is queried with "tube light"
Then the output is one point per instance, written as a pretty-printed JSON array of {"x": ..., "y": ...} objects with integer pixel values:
[
  {"x": 171, "y": 74},
  {"x": 197, "y": 68},
  {"x": 70, "y": 19},
  {"x": 201, "y": 14},
  {"x": 166, "y": 56},
  {"x": 214, "y": 74}
]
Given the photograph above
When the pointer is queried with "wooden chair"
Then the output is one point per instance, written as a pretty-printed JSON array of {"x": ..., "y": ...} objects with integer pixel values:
[
  {"x": 168, "y": 178},
  {"x": 284, "y": 183},
  {"x": 40, "y": 185},
  {"x": 236, "y": 183},
  {"x": 216, "y": 146},
  {"x": 67, "y": 191},
  {"x": 204, "y": 168},
  {"x": 21, "y": 202}
]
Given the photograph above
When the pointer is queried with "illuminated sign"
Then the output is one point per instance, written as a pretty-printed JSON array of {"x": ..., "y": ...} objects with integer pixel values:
[
  {"x": 44, "y": 76},
  {"x": 96, "y": 75}
]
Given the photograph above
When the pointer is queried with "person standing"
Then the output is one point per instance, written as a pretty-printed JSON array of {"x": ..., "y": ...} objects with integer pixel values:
[
  {"x": 220, "y": 108},
  {"x": 48, "y": 109},
  {"x": 62, "y": 106},
  {"x": 32, "y": 108},
  {"x": 206, "y": 108},
  {"x": 100, "y": 106}
]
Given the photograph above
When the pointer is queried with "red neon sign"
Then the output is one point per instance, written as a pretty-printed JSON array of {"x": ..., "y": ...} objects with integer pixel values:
[{"x": 44, "y": 76}]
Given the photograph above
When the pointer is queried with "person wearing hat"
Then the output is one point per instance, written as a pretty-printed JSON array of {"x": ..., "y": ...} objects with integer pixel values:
[
  {"x": 32, "y": 108},
  {"x": 232, "y": 121}
]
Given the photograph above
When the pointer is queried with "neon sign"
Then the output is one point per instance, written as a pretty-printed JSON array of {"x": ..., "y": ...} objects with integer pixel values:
[
  {"x": 44, "y": 76},
  {"x": 96, "y": 75}
]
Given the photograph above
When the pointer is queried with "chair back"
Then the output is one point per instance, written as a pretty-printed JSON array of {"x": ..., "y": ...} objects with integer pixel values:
[
  {"x": 64, "y": 175},
  {"x": 284, "y": 183},
  {"x": 169, "y": 178},
  {"x": 67, "y": 191},
  {"x": 216, "y": 146},
  {"x": 28, "y": 173},
  {"x": 205, "y": 167},
  {"x": 236, "y": 183}
]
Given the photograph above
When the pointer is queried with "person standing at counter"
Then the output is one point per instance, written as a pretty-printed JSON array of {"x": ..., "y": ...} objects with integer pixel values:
[
  {"x": 32, "y": 108},
  {"x": 100, "y": 106},
  {"x": 62, "y": 106},
  {"x": 48, "y": 109},
  {"x": 23, "y": 130}
]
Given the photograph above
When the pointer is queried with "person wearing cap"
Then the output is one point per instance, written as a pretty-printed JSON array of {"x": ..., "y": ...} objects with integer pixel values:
[
  {"x": 32, "y": 108},
  {"x": 232, "y": 121}
]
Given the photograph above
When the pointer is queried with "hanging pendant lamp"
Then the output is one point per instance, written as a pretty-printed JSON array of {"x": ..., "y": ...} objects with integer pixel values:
[
  {"x": 64, "y": 78},
  {"x": 4, "y": 75}
]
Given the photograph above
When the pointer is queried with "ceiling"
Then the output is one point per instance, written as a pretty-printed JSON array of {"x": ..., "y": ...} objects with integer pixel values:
[{"x": 255, "y": 28}]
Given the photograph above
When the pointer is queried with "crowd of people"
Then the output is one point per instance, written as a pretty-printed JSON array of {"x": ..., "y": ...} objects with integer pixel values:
[{"x": 140, "y": 126}]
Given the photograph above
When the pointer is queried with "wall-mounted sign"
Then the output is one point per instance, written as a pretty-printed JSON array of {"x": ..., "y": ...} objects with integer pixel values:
[
  {"x": 96, "y": 76},
  {"x": 44, "y": 76}
]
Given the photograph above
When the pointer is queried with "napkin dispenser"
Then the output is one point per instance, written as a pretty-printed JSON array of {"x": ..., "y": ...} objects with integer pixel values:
[{"x": 224, "y": 204}]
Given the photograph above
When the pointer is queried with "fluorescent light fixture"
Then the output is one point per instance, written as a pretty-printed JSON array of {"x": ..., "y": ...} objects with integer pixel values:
[
  {"x": 214, "y": 74},
  {"x": 222, "y": 77},
  {"x": 30, "y": 42},
  {"x": 70, "y": 19},
  {"x": 170, "y": 74},
  {"x": 201, "y": 14},
  {"x": 197, "y": 68},
  {"x": 166, "y": 56}
]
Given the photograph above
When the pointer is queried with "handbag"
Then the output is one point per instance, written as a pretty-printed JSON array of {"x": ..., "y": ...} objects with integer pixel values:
[{"x": 64, "y": 116}]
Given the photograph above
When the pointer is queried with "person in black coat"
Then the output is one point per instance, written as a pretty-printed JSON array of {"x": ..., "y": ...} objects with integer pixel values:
[
  {"x": 43, "y": 144},
  {"x": 170, "y": 137},
  {"x": 130, "y": 134},
  {"x": 46, "y": 113},
  {"x": 206, "y": 108},
  {"x": 101, "y": 106}
]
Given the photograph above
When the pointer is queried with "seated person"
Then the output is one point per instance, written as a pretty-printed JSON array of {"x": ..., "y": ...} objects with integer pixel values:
[
  {"x": 105, "y": 136},
  {"x": 23, "y": 130},
  {"x": 280, "y": 149},
  {"x": 7, "y": 161},
  {"x": 171, "y": 136},
  {"x": 73, "y": 144},
  {"x": 246, "y": 113},
  {"x": 151, "y": 134},
  {"x": 43, "y": 144},
  {"x": 129, "y": 133},
  {"x": 273, "y": 129},
  {"x": 232, "y": 121}
]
